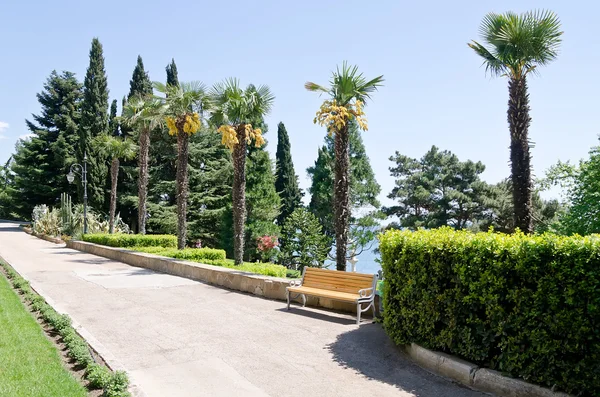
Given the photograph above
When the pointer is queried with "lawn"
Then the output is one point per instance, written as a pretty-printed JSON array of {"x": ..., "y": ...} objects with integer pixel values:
[{"x": 29, "y": 363}]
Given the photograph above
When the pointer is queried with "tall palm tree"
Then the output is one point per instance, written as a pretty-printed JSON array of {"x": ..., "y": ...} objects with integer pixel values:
[
  {"x": 143, "y": 115},
  {"x": 348, "y": 91},
  {"x": 116, "y": 149},
  {"x": 234, "y": 112},
  {"x": 182, "y": 110},
  {"x": 516, "y": 45}
]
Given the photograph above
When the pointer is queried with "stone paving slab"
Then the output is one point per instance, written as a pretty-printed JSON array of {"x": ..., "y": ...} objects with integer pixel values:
[{"x": 177, "y": 337}]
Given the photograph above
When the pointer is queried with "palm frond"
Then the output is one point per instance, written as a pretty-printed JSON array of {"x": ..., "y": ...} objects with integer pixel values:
[
  {"x": 516, "y": 43},
  {"x": 233, "y": 105}
]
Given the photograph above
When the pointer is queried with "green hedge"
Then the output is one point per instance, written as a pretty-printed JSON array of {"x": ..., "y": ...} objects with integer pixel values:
[
  {"x": 132, "y": 240},
  {"x": 216, "y": 257},
  {"x": 528, "y": 306}
]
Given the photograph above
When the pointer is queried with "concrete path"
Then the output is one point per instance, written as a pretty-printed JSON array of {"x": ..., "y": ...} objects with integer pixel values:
[{"x": 177, "y": 337}]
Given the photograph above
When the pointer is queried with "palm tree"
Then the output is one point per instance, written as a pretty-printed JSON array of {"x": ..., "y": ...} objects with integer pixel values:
[
  {"x": 514, "y": 46},
  {"x": 143, "y": 115},
  {"x": 348, "y": 92},
  {"x": 182, "y": 110},
  {"x": 114, "y": 148},
  {"x": 235, "y": 110}
]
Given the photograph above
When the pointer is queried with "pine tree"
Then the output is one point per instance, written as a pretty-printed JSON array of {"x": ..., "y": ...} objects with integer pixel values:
[
  {"x": 113, "y": 122},
  {"x": 94, "y": 121},
  {"x": 42, "y": 161},
  {"x": 286, "y": 180}
]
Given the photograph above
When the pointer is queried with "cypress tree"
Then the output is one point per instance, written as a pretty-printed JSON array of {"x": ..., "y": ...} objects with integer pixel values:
[
  {"x": 42, "y": 160},
  {"x": 113, "y": 123},
  {"x": 286, "y": 180},
  {"x": 94, "y": 121},
  {"x": 172, "y": 78},
  {"x": 140, "y": 83}
]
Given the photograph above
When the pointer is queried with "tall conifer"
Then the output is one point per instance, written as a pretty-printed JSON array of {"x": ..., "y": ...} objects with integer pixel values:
[
  {"x": 94, "y": 121},
  {"x": 286, "y": 180}
]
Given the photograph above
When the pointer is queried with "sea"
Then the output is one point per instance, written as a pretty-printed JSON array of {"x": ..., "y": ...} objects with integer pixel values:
[{"x": 367, "y": 261}]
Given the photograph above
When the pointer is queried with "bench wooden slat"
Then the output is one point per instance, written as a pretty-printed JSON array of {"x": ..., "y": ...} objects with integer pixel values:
[
  {"x": 347, "y": 297},
  {"x": 339, "y": 274},
  {"x": 337, "y": 285}
]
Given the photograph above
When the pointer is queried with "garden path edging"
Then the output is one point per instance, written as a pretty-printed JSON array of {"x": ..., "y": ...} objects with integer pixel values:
[
  {"x": 109, "y": 359},
  {"x": 51, "y": 239},
  {"x": 264, "y": 286},
  {"x": 475, "y": 377}
]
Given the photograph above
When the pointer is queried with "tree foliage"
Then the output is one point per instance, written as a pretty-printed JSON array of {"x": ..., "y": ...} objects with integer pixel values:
[
  {"x": 42, "y": 160},
  {"x": 437, "y": 190},
  {"x": 94, "y": 122},
  {"x": 302, "y": 240},
  {"x": 286, "y": 180}
]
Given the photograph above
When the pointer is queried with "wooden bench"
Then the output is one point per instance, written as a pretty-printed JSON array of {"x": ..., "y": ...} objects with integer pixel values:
[{"x": 350, "y": 287}]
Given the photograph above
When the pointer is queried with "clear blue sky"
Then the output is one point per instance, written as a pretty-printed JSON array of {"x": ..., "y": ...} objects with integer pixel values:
[{"x": 436, "y": 91}]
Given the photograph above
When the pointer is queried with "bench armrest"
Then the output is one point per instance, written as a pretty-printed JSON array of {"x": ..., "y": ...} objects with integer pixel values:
[
  {"x": 295, "y": 283},
  {"x": 366, "y": 293}
]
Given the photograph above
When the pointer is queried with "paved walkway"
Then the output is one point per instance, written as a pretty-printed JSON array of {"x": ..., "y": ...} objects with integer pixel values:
[{"x": 177, "y": 337}]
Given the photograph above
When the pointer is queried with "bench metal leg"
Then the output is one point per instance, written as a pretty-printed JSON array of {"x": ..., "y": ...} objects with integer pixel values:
[
  {"x": 287, "y": 295},
  {"x": 303, "y": 300},
  {"x": 358, "y": 311}
]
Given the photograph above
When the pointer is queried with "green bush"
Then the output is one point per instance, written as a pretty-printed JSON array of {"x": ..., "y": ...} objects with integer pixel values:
[
  {"x": 97, "y": 376},
  {"x": 117, "y": 385},
  {"x": 216, "y": 257},
  {"x": 132, "y": 240},
  {"x": 528, "y": 306},
  {"x": 195, "y": 254}
]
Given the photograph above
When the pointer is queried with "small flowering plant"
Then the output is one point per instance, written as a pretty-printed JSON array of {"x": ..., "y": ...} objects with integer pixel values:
[{"x": 267, "y": 246}]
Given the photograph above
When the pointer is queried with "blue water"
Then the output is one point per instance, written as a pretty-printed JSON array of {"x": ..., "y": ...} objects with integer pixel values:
[{"x": 366, "y": 262}]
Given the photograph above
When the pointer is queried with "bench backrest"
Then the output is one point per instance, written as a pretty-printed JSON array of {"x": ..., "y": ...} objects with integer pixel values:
[{"x": 336, "y": 281}]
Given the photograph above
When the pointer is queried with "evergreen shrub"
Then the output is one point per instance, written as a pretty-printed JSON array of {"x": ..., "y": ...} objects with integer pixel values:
[{"x": 528, "y": 306}]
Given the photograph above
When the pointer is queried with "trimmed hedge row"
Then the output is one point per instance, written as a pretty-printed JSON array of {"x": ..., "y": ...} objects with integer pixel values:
[
  {"x": 99, "y": 377},
  {"x": 188, "y": 254},
  {"x": 528, "y": 306},
  {"x": 132, "y": 240},
  {"x": 216, "y": 257}
]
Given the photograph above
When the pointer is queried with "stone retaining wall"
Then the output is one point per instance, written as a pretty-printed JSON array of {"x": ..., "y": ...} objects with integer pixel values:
[{"x": 265, "y": 286}]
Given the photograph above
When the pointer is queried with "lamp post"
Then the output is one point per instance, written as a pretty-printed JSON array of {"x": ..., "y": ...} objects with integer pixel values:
[{"x": 83, "y": 174}]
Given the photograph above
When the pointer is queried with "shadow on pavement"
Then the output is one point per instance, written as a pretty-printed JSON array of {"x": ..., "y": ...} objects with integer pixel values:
[
  {"x": 371, "y": 353},
  {"x": 319, "y": 315}
]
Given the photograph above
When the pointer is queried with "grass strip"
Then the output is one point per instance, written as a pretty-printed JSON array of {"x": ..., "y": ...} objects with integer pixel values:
[{"x": 20, "y": 351}]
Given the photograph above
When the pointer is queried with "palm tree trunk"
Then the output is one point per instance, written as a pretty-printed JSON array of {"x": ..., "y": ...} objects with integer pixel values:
[
  {"x": 239, "y": 194},
  {"x": 114, "y": 176},
  {"x": 341, "y": 196},
  {"x": 143, "y": 179},
  {"x": 520, "y": 158},
  {"x": 183, "y": 140}
]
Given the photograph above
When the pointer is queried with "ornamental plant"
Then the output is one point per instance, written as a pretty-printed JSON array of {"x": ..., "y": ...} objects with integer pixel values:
[
  {"x": 182, "y": 108},
  {"x": 235, "y": 110},
  {"x": 348, "y": 91},
  {"x": 267, "y": 245}
]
